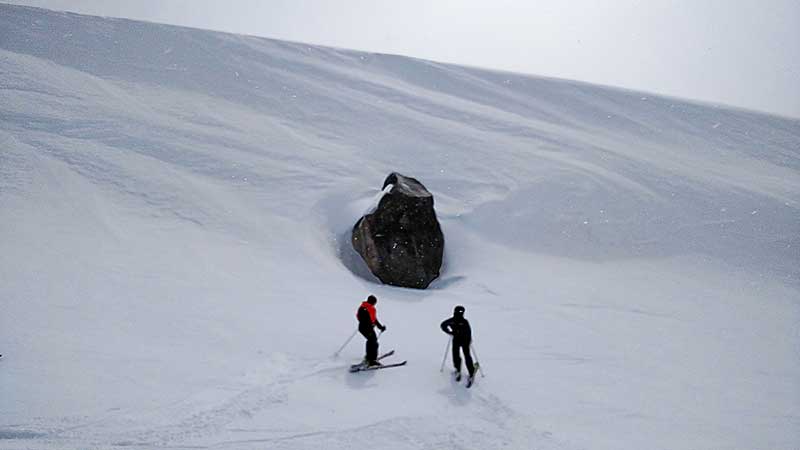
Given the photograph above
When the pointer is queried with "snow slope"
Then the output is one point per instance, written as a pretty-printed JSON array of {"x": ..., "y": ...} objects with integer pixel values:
[{"x": 174, "y": 268}]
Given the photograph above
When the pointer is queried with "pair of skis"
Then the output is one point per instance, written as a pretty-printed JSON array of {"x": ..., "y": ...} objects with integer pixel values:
[
  {"x": 470, "y": 379},
  {"x": 363, "y": 367}
]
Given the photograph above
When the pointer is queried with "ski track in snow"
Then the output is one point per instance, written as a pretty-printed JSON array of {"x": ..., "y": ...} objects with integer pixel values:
[{"x": 207, "y": 415}]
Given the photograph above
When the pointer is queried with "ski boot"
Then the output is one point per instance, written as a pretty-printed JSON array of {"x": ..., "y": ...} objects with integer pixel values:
[{"x": 471, "y": 378}]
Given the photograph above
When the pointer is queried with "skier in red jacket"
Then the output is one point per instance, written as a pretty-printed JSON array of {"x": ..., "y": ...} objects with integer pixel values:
[{"x": 367, "y": 321}]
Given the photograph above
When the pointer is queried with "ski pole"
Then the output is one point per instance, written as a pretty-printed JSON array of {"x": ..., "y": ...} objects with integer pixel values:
[
  {"x": 477, "y": 360},
  {"x": 345, "y": 344},
  {"x": 446, "y": 349}
]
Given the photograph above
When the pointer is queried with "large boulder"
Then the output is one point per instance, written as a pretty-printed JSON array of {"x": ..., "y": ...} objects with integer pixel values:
[{"x": 401, "y": 240}]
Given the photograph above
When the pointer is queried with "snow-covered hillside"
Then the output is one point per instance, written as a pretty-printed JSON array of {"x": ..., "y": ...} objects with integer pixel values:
[{"x": 175, "y": 271}]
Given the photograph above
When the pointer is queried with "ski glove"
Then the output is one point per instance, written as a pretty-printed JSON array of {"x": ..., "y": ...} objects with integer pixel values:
[{"x": 382, "y": 328}]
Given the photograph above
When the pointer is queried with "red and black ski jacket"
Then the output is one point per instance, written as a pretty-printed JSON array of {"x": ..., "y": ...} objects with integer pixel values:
[{"x": 367, "y": 316}]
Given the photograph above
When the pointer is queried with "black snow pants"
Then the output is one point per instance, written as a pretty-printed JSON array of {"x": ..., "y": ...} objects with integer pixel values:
[
  {"x": 372, "y": 342},
  {"x": 458, "y": 347}
]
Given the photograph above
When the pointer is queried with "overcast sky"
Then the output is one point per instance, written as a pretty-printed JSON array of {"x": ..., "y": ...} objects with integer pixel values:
[{"x": 738, "y": 52}]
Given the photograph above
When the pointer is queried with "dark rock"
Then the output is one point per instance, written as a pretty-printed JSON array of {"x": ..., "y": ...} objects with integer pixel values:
[{"x": 401, "y": 241}]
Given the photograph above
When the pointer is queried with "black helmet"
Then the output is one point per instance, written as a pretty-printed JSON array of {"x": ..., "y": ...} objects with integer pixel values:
[
  {"x": 458, "y": 310},
  {"x": 372, "y": 300}
]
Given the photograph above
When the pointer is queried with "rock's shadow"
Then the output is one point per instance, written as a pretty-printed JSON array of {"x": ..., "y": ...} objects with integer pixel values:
[{"x": 352, "y": 260}]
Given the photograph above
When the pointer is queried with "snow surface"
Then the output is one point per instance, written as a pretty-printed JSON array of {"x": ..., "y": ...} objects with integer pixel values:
[{"x": 175, "y": 270}]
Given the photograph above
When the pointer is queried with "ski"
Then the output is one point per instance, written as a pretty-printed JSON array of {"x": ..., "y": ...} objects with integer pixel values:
[
  {"x": 386, "y": 355},
  {"x": 382, "y": 366},
  {"x": 361, "y": 364}
]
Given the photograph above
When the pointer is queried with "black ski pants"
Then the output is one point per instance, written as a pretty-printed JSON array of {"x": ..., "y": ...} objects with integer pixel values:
[
  {"x": 372, "y": 342},
  {"x": 458, "y": 347}
]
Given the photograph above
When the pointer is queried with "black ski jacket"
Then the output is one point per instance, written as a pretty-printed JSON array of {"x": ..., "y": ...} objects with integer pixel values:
[{"x": 459, "y": 328}]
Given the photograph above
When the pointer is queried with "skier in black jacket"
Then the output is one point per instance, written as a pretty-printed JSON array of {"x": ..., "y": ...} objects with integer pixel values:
[{"x": 458, "y": 327}]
